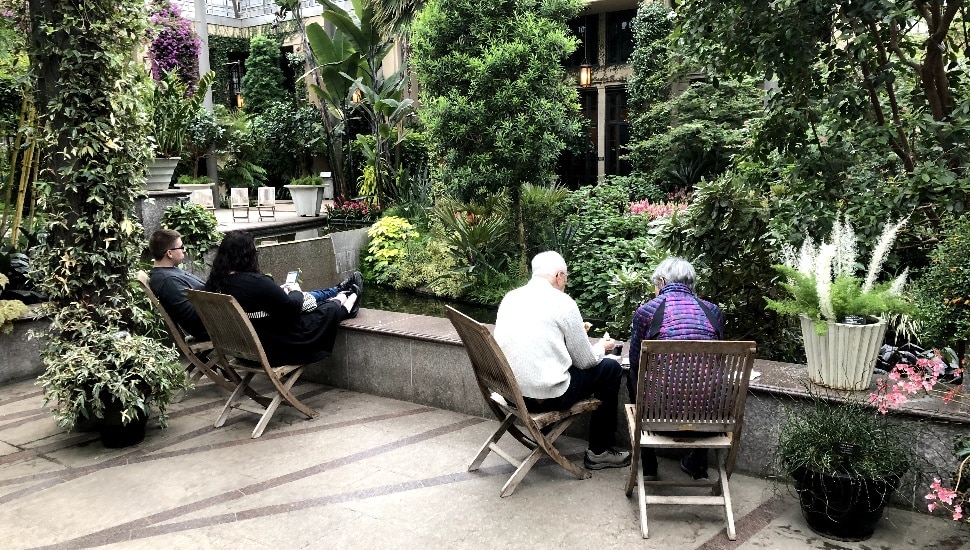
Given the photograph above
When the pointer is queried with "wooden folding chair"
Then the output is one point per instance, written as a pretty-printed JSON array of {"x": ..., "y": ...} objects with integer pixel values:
[
  {"x": 503, "y": 396},
  {"x": 266, "y": 203},
  {"x": 199, "y": 354},
  {"x": 239, "y": 203},
  {"x": 237, "y": 348},
  {"x": 202, "y": 362},
  {"x": 696, "y": 387}
]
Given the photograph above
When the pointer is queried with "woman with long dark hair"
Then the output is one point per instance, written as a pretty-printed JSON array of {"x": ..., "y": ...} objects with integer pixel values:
[{"x": 293, "y": 326}]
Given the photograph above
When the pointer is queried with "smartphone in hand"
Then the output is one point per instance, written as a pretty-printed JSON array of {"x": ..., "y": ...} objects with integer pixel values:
[{"x": 291, "y": 277}]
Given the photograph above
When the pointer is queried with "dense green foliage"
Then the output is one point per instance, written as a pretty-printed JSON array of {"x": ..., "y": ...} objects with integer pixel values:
[
  {"x": 942, "y": 291},
  {"x": 863, "y": 97},
  {"x": 220, "y": 50},
  {"x": 263, "y": 82},
  {"x": 292, "y": 133},
  {"x": 496, "y": 104},
  {"x": 197, "y": 225},
  {"x": 600, "y": 239},
  {"x": 95, "y": 152}
]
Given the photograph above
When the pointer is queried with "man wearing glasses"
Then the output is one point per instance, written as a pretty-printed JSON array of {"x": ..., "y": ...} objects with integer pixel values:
[
  {"x": 169, "y": 282},
  {"x": 541, "y": 332}
]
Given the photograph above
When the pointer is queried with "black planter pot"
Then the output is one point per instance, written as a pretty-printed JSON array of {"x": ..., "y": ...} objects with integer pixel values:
[
  {"x": 841, "y": 506},
  {"x": 115, "y": 434}
]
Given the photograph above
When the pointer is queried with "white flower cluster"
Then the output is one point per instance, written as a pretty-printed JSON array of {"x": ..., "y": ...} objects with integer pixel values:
[{"x": 837, "y": 258}]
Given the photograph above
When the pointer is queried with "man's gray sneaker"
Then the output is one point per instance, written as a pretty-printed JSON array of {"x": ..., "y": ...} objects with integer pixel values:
[{"x": 610, "y": 458}]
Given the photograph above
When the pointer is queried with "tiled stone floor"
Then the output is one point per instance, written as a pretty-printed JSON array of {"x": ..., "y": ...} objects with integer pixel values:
[{"x": 368, "y": 472}]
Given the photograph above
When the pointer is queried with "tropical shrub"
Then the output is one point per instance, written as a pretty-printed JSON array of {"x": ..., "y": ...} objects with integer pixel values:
[
  {"x": 386, "y": 250},
  {"x": 262, "y": 84},
  {"x": 599, "y": 239},
  {"x": 292, "y": 134},
  {"x": 521, "y": 125},
  {"x": 942, "y": 289},
  {"x": 428, "y": 266},
  {"x": 543, "y": 217},
  {"x": 9, "y": 309}
]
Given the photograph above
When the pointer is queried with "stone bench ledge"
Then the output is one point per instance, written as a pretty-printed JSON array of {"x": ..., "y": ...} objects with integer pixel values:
[{"x": 776, "y": 378}]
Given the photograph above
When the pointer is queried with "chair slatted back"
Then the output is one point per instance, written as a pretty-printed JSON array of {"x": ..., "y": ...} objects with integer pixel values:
[
  {"x": 178, "y": 335},
  {"x": 491, "y": 368},
  {"x": 266, "y": 196},
  {"x": 693, "y": 385},
  {"x": 239, "y": 197},
  {"x": 229, "y": 328}
]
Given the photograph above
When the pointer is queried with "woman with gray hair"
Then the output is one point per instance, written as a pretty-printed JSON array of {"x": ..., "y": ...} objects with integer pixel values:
[{"x": 674, "y": 314}]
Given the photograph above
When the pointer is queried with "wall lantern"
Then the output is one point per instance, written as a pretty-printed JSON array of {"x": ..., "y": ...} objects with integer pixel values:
[
  {"x": 585, "y": 70},
  {"x": 585, "y": 75}
]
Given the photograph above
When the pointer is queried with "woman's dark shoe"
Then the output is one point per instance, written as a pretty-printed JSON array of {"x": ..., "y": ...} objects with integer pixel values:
[
  {"x": 347, "y": 284},
  {"x": 356, "y": 306}
]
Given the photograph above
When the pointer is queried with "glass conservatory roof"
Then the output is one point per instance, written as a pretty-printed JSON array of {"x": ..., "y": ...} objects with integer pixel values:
[{"x": 245, "y": 13}]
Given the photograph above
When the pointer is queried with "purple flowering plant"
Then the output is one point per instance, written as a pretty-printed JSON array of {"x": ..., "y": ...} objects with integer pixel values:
[{"x": 174, "y": 45}]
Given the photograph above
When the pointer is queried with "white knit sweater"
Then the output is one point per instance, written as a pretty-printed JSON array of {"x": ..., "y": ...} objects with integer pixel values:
[{"x": 541, "y": 332}]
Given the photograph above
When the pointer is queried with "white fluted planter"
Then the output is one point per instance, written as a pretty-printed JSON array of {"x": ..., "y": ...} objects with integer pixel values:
[
  {"x": 307, "y": 199},
  {"x": 160, "y": 171},
  {"x": 843, "y": 357}
]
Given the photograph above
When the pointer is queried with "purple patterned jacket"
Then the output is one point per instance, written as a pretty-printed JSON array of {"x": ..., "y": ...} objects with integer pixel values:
[{"x": 683, "y": 319}]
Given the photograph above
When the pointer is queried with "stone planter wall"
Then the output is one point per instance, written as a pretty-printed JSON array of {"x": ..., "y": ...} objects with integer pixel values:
[{"x": 21, "y": 356}]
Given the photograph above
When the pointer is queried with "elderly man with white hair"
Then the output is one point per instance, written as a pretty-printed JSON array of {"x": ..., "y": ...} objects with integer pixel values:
[{"x": 541, "y": 332}]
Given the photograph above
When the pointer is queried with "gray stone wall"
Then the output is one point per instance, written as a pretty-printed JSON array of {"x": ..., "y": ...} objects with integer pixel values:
[{"x": 20, "y": 355}]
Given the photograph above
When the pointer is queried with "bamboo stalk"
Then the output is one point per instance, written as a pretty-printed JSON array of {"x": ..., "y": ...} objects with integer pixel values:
[{"x": 13, "y": 164}]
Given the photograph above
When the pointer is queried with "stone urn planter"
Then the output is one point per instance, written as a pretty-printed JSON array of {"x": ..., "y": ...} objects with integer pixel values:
[
  {"x": 160, "y": 171},
  {"x": 843, "y": 357},
  {"x": 306, "y": 199}
]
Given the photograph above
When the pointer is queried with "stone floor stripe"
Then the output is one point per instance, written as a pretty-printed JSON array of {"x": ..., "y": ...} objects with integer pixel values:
[{"x": 125, "y": 531}]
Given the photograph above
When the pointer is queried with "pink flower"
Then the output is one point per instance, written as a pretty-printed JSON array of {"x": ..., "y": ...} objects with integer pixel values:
[{"x": 957, "y": 513}]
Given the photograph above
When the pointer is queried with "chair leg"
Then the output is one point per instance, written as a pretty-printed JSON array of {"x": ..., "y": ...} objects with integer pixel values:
[
  {"x": 520, "y": 473},
  {"x": 486, "y": 448},
  {"x": 553, "y": 452},
  {"x": 631, "y": 479},
  {"x": 283, "y": 389},
  {"x": 234, "y": 398},
  {"x": 642, "y": 498},
  {"x": 726, "y": 493},
  {"x": 267, "y": 414}
]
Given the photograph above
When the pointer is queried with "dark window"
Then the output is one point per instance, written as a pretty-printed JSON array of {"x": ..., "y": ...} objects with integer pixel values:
[
  {"x": 577, "y": 164},
  {"x": 619, "y": 36},
  {"x": 617, "y": 132},
  {"x": 586, "y": 28}
]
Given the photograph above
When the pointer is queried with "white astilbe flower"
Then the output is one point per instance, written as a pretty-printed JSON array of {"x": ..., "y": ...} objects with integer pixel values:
[
  {"x": 843, "y": 237},
  {"x": 788, "y": 256},
  {"x": 880, "y": 253},
  {"x": 823, "y": 280},
  {"x": 806, "y": 257},
  {"x": 896, "y": 288}
]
